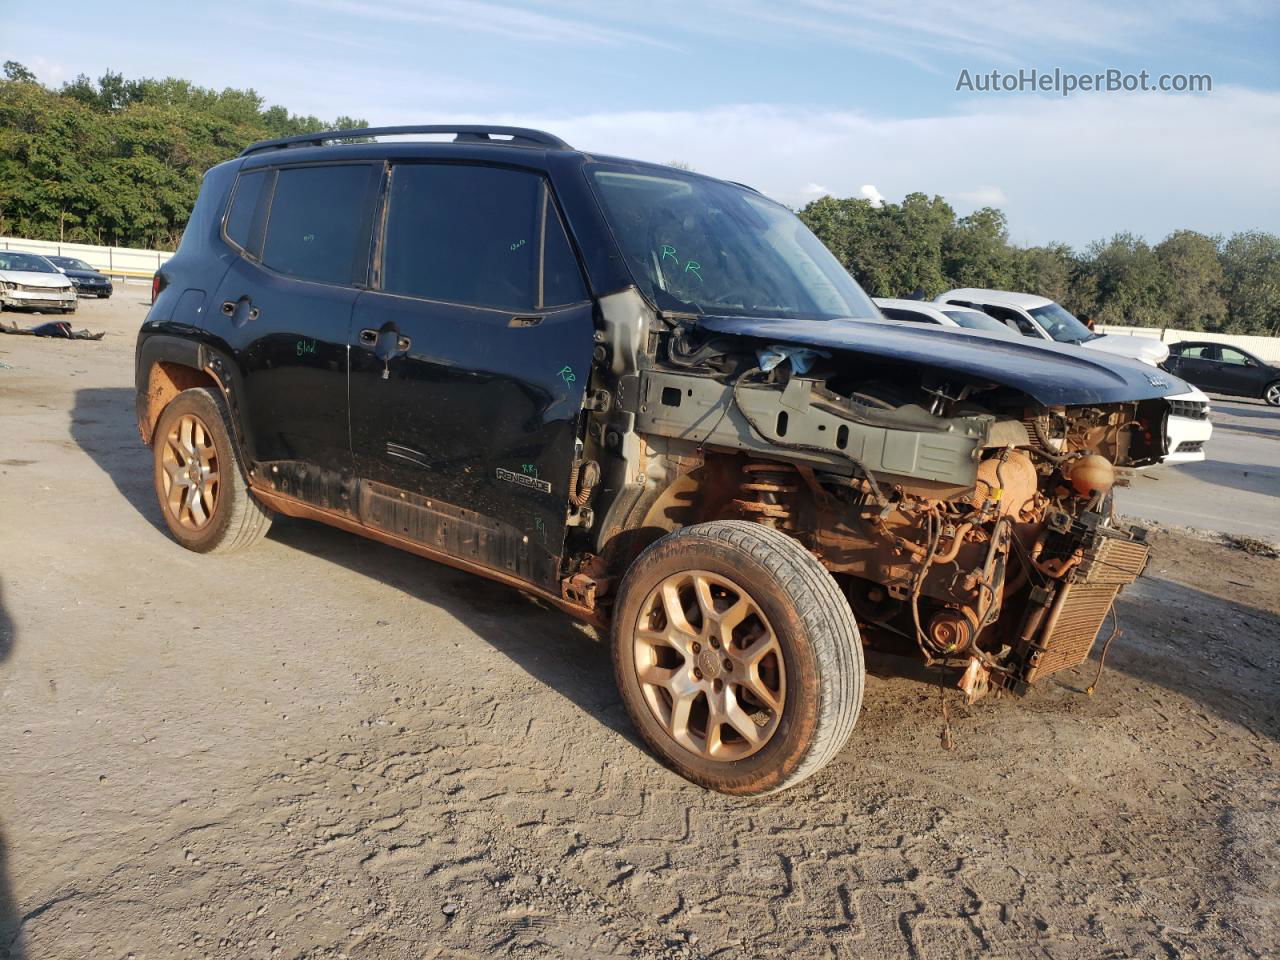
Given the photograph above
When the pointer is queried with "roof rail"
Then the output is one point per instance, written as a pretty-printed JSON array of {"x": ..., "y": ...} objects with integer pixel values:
[{"x": 520, "y": 136}]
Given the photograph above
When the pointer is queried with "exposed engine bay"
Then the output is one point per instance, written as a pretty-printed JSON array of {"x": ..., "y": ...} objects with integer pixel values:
[{"x": 968, "y": 524}]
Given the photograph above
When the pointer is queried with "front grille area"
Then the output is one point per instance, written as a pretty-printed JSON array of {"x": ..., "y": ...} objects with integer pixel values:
[
  {"x": 49, "y": 292},
  {"x": 1190, "y": 446},
  {"x": 1084, "y": 602},
  {"x": 1191, "y": 409}
]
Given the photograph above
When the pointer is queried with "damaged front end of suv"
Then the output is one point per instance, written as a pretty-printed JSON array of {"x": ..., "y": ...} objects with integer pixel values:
[
  {"x": 963, "y": 500},
  {"x": 957, "y": 486}
]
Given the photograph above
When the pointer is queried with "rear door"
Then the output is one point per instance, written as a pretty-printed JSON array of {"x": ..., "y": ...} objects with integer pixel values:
[
  {"x": 284, "y": 307},
  {"x": 469, "y": 361},
  {"x": 1198, "y": 364}
]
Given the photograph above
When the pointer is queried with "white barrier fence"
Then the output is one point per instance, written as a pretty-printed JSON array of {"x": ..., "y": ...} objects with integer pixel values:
[
  {"x": 124, "y": 263},
  {"x": 131, "y": 263},
  {"x": 1264, "y": 348}
]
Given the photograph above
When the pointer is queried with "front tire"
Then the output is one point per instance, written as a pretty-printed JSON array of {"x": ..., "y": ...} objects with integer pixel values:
[
  {"x": 206, "y": 504},
  {"x": 1271, "y": 394},
  {"x": 737, "y": 657}
]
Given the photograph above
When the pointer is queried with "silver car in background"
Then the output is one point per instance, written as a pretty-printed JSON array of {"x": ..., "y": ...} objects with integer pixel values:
[{"x": 29, "y": 281}]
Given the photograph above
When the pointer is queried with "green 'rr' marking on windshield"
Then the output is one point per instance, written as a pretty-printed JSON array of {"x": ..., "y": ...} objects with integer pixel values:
[
  {"x": 669, "y": 251},
  {"x": 693, "y": 266}
]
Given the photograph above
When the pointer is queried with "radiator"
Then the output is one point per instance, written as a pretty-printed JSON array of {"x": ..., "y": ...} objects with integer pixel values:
[{"x": 1084, "y": 602}]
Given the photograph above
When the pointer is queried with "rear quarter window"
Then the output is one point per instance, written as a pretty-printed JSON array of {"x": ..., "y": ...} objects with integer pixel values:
[{"x": 244, "y": 204}]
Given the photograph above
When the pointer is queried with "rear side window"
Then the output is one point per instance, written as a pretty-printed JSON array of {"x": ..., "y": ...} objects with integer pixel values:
[
  {"x": 244, "y": 204},
  {"x": 896, "y": 313},
  {"x": 319, "y": 224},
  {"x": 482, "y": 236}
]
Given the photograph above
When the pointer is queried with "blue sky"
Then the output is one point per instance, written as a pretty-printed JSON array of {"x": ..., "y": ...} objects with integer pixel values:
[{"x": 797, "y": 98}]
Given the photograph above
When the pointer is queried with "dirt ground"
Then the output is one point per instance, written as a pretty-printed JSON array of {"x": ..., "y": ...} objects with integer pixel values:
[{"x": 326, "y": 748}]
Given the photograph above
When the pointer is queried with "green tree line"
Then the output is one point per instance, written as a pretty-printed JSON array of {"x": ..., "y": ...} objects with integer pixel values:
[
  {"x": 117, "y": 161},
  {"x": 1188, "y": 280}
]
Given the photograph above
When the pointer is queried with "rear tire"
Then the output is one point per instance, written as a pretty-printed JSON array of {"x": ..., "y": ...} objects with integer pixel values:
[
  {"x": 206, "y": 504},
  {"x": 754, "y": 679}
]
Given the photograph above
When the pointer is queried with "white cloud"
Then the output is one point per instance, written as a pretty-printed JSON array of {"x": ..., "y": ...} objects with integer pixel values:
[
  {"x": 815, "y": 190},
  {"x": 869, "y": 191},
  {"x": 481, "y": 16},
  {"x": 1071, "y": 169}
]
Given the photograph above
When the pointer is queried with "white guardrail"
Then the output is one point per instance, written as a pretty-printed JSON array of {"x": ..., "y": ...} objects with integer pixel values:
[
  {"x": 131, "y": 263},
  {"x": 123, "y": 263},
  {"x": 1264, "y": 348}
]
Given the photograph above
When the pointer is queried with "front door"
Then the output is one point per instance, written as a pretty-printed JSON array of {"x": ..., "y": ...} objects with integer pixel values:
[
  {"x": 469, "y": 360},
  {"x": 1237, "y": 373},
  {"x": 284, "y": 307}
]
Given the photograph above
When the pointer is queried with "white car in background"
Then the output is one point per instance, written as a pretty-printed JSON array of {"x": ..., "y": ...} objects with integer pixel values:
[
  {"x": 942, "y": 315},
  {"x": 29, "y": 281},
  {"x": 1041, "y": 318},
  {"x": 1189, "y": 428}
]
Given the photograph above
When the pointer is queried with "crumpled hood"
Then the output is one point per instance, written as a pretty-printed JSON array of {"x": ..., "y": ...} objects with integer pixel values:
[
  {"x": 1050, "y": 373},
  {"x": 1147, "y": 349},
  {"x": 29, "y": 279}
]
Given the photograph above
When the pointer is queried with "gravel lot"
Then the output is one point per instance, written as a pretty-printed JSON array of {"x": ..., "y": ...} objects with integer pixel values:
[{"x": 326, "y": 748}]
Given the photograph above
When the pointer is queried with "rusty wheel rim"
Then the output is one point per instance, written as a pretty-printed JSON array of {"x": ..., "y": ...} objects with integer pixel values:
[
  {"x": 710, "y": 665},
  {"x": 189, "y": 462}
]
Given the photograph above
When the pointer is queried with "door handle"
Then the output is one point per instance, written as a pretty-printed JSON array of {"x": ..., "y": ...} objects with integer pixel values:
[
  {"x": 229, "y": 309},
  {"x": 369, "y": 338}
]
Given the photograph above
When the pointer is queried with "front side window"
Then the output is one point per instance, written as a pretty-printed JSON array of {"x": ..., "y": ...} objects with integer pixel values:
[
  {"x": 1233, "y": 356},
  {"x": 703, "y": 246},
  {"x": 909, "y": 316},
  {"x": 319, "y": 223},
  {"x": 974, "y": 320},
  {"x": 1061, "y": 325},
  {"x": 475, "y": 235}
]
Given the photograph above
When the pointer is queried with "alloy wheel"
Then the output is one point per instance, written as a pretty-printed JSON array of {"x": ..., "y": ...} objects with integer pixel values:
[
  {"x": 710, "y": 665},
  {"x": 191, "y": 481}
]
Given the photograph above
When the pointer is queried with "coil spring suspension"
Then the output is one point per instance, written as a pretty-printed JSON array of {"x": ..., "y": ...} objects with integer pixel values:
[{"x": 767, "y": 490}]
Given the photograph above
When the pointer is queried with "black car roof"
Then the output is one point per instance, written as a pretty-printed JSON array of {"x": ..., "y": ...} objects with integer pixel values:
[{"x": 471, "y": 141}]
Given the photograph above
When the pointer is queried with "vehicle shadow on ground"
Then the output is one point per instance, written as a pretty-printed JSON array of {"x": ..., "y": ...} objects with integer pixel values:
[
  {"x": 103, "y": 424},
  {"x": 1223, "y": 655},
  {"x": 10, "y": 922},
  {"x": 570, "y": 658},
  {"x": 1256, "y": 478},
  {"x": 547, "y": 645}
]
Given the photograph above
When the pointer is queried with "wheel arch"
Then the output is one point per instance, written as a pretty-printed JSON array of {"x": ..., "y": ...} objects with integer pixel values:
[{"x": 166, "y": 365}]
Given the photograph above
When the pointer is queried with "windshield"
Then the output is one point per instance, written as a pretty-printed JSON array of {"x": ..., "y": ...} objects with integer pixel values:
[
  {"x": 25, "y": 262},
  {"x": 1060, "y": 325},
  {"x": 975, "y": 320},
  {"x": 702, "y": 246},
  {"x": 71, "y": 263}
]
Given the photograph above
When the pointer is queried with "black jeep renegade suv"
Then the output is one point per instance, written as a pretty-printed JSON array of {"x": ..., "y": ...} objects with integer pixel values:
[{"x": 652, "y": 398}]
